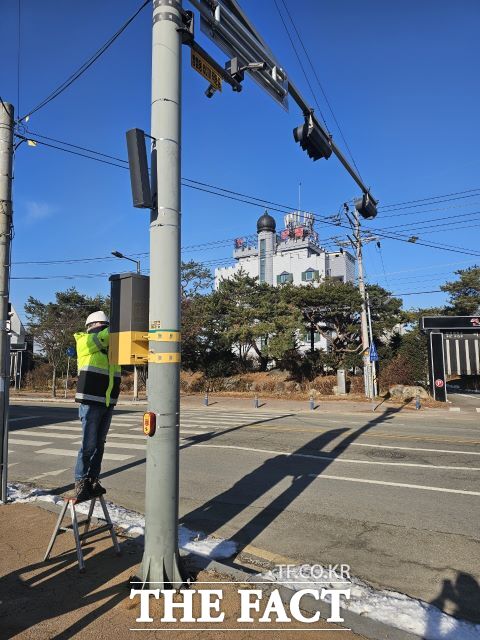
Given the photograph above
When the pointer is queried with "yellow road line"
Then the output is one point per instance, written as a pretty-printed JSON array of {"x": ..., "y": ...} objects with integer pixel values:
[
  {"x": 378, "y": 434},
  {"x": 274, "y": 558}
]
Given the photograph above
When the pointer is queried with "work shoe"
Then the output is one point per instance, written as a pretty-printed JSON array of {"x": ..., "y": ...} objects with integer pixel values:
[
  {"x": 82, "y": 490},
  {"x": 96, "y": 488}
]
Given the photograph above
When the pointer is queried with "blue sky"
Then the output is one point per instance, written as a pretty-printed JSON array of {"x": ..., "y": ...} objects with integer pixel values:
[{"x": 403, "y": 82}]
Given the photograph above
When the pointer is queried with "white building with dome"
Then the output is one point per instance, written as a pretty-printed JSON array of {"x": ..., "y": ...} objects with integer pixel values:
[{"x": 294, "y": 255}]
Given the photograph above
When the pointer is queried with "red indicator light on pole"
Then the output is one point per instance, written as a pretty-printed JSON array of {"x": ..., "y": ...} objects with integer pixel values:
[{"x": 149, "y": 423}]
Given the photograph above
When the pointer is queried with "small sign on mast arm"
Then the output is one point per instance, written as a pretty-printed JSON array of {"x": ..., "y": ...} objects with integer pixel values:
[{"x": 202, "y": 67}]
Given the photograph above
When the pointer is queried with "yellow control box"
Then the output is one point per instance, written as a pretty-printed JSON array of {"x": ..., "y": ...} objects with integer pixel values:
[{"x": 128, "y": 319}]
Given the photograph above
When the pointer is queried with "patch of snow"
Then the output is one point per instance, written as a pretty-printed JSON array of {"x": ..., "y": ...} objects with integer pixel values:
[
  {"x": 131, "y": 522},
  {"x": 389, "y": 607}
]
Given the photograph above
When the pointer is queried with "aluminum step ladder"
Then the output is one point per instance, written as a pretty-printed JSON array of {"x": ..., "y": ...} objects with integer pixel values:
[{"x": 70, "y": 503}]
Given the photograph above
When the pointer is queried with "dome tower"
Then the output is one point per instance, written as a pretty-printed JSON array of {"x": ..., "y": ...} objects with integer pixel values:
[{"x": 266, "y": 230}]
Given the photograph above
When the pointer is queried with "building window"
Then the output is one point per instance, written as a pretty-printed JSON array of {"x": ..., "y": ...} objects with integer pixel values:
[
  {"x": 310, "y": 275},
  {"x": 263, "y": 245},
  {"x": 284, "y": 277},
  {"x": 307, "y": 337}
]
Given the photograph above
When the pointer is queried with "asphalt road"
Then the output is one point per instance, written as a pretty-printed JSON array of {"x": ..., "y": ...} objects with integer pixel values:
[
  {"x": 465, "y": 401},
  {"x": 393, "y": 494}
]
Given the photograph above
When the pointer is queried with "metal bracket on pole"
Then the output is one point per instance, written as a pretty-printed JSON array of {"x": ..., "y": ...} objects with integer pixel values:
[
  {"x": 164, "y": 358},
  {"x": 164, "y": 336},
  {"x": 225, "y": 75},
  {"x": 167, "y": 16}
]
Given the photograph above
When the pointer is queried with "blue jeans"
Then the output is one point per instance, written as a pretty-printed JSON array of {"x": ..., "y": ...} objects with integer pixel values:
[{"x": 96, "y": 421}]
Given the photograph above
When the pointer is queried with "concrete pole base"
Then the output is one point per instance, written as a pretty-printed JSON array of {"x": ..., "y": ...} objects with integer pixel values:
[{"x": 162, "y": 574}]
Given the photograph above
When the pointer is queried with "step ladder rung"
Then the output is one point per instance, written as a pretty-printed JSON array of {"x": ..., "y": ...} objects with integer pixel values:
[{"x": 85, "y": 523}]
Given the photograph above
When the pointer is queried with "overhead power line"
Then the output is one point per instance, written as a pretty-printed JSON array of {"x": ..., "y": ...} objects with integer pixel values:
[
  {"x": 257, "y": 202},
  {"x": 445, "y": 195},
  {"x": 300, "y": 63},
  {"x": 439, "y": 199},
  {"x": 417, "y": 212},
  {"x": 74, "y": 153},
  {"x": 426, "y": 204},
  {"x": 302, "y": 44},
  {"x": 104, "y": 275},
  {"x": 416, "y": 225},
  {"x": 76, "y": 146},
  {"x": 86, "y": 65},
  {"x": 416, "y": 293}
]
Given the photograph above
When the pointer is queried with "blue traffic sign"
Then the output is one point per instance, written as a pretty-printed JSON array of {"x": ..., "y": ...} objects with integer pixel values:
[
  {"x": 373, "y": 353},
  {"x": 71, "y": 352}
]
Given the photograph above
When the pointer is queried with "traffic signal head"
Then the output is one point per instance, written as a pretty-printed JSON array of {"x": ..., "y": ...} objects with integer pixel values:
[
  {"x": 313, "y": 140},
  {"x": 137, "y": 161},
  {"x": 366, "y": 206}
]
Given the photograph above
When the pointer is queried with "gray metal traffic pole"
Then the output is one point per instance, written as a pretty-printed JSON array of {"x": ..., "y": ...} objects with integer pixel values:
[
  {"x": 135, "y": 382},
  {"x": 363, "y": 317},
  {"x": 161, "y": 562},
  {"x": 6, "y": 170},
  {"x": 373, "y": 366},
  {"x": 66, "y": 379}
]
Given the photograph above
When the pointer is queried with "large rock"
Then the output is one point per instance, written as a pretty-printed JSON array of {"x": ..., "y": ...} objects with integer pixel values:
[{"x": 407, "y": 392}]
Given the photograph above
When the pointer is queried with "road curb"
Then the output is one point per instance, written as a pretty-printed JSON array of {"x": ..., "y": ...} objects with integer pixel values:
[
  {"x": 360, "y": 624},
  {"x": 331, "y": 408},
  {"x": 71, "y": 401}
]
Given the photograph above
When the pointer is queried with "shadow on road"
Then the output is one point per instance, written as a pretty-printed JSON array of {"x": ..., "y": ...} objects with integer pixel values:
[
  {"x": 203, "y": 437},
  {"x": 301, "y": 472},
  {"x": 464, "y": 595},
  {"x": 24, "y": 417}
]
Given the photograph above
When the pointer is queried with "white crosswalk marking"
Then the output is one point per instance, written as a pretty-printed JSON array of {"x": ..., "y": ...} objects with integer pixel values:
[
  {"x": 191, "y": 431},
  {"x": 126, "y": 432},
  {"x": 57, "y": 427},
  {"x": 58, "y": 472},
  {"x": 44, "y": 434},
  {"x": 29, "y": 443},
  {"x": 70, "y": 452},
  {"x": 122, "y": 445}
]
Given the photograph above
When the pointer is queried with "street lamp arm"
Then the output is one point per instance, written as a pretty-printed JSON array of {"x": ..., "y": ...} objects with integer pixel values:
[{"x": 117, "y": 254}]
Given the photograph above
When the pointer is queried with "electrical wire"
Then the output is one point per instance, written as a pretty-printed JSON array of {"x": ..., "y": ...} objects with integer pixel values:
[
  {"x": 415, "y": 225},
  {"x": 445, "y": 195},
  {"x": 426, "y": 204},
  {"x": 284, "y": 209},
  {"x": 4, "y": 107},
  {"x": 75, "y": 153},
  {"x": 86, "y": 65},
  {"x": 301, "y": 64},
  {"x": 421, "y": 212},
  {"x": 263, "y": 201},
  {"x": 18, "y": 53},
  {"x": 379, "y": 251},
  {"x": 76, "y": 146},
  {"x": 300, "y": 39},
  {"x": 103, "y": 275}
]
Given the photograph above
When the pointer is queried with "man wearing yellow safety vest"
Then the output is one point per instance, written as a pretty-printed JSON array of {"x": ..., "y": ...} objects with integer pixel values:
[{"x": 97, "y": 391}]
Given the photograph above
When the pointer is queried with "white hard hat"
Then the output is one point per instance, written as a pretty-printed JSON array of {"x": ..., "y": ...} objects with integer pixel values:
[{"x": 96, "y": 316}]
